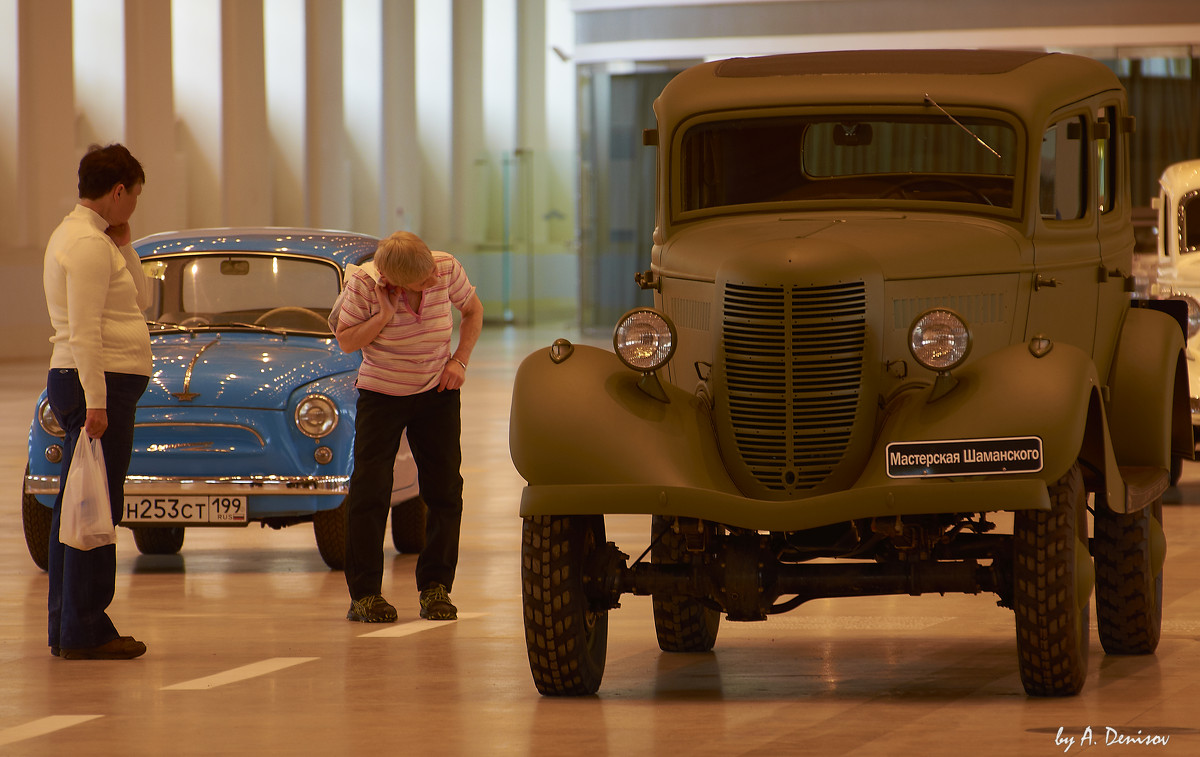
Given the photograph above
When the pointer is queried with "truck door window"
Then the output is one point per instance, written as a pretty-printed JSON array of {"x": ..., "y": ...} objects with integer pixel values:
[
  {"x": 1063, "y": 195},
  {"x": 1107, "y": 159}
]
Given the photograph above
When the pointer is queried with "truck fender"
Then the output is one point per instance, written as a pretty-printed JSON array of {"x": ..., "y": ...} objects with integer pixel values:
[
  {"x": 584, "y": 420},
  {"x": 1149, "y": 407},
  {"x": 1013, "y": 393}
]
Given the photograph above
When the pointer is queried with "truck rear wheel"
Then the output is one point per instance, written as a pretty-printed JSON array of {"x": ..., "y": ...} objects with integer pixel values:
[
  {"x": 1129, "y": 551},
  {"x": 566, "y": 638},
  {"x": 683, "y": 623},
  {"x": 1053, "y": 578}
]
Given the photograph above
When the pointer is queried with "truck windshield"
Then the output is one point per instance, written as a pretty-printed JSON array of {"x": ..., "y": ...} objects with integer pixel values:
[{"x": 925, "y": 158}]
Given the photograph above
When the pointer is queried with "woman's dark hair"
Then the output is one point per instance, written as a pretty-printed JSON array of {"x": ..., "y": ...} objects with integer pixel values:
[{"x": 102, "y": 168}]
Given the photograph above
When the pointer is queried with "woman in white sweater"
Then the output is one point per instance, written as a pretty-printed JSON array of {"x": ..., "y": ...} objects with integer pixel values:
[{"x": 100, "y": 365}]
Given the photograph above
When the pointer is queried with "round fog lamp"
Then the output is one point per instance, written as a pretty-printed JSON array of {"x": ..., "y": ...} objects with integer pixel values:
[
  {"x": 939, "y": 340},
  {"x": 316, "y": 416},
  {"x": 644, "y": 339}
]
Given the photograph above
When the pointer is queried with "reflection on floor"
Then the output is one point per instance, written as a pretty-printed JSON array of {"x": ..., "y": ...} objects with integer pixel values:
[{"x": 250, "y": 652}]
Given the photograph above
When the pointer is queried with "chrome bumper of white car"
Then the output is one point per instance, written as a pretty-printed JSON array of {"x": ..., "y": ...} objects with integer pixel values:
[{"x": 214, "y": 485}]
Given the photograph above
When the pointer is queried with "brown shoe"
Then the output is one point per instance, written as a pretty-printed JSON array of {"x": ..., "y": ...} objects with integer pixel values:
[{"x": 120, "y": 648}]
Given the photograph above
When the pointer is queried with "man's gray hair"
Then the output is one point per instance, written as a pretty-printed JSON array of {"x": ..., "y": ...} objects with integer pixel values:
[{"x": 403, "y": 258}]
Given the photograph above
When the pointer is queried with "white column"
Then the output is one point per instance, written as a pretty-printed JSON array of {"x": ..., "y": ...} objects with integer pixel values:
[
  {"x": 47, "y": 157},
  {"x": 286, "y": 67},
  {"x": 8, "y": 119},
  {"x": 38, "y": 159},
  {"x": 499, "y": 108},
  {"x": 196, "y": 57},
  {"x": 469, "y": 189},
  {"x": 362, "y": 80},
  {"x": 99, "y": 53},
  {"x": 327, "y": 174},
  {"x": 149, "y": 116},
  {"x": 435, "y": 120},
  {"x": 380, "y": 102},
  {"x": 245, "y": 145},
  {"x": 556, "y": 212},
  {"x": 401, "y": 190}
]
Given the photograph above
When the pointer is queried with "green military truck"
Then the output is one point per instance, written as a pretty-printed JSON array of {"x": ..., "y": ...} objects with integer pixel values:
[{"x": 893, "y": 350}]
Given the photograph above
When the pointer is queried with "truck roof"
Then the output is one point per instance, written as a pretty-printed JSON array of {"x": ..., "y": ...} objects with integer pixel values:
[{"x": 1029, "y": 84}]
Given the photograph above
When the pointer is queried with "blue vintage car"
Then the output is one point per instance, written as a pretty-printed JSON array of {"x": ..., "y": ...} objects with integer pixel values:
[{"x": 249, "y": 414}]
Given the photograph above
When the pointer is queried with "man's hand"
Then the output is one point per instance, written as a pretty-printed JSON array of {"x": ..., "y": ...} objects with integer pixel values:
[
  {"x": 453, "y": 376},
  {"x": 120, "y": 234},
  {"x": 389, "y": 298},
  {"x": 96, "y": 422}
]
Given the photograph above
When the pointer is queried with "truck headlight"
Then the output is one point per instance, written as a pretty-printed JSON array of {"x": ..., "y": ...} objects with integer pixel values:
[
  {"x": 47, "y": 420},
  {"x": 644, "y": 339},
  {"x": 316, "y": 416},
  {"x": 939, "y": 340}
]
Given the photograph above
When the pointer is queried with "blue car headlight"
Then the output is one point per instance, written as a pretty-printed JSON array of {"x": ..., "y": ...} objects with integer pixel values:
[
  {"x": 316, "y": 416},
  {"x": 47, "y": 420}
]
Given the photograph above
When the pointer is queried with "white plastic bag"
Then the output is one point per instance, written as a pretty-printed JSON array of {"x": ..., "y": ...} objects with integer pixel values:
[{"x": 86, "y": 520}]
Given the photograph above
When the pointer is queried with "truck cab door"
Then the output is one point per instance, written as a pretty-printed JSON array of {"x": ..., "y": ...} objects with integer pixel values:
[{"x": 1063, "y": 300}]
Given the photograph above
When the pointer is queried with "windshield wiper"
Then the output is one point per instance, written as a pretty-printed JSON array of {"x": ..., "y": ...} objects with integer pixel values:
[
  {"x": 260, "y": 327},
  {"x": 173, "y": 326},
  {"x": 960, "y": 125}
]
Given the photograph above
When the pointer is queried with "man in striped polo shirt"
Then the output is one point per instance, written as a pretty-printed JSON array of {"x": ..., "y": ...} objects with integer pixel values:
[{"x": 409, "y": 378}]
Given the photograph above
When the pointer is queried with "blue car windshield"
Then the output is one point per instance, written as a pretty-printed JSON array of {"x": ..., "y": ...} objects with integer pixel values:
[
  {"x": 232, "y": 290},
  {"x": 870, "y": 159}
]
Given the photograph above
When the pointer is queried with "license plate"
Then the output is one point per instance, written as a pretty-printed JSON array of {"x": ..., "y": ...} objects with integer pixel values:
[{"x": 193, "y": 509}]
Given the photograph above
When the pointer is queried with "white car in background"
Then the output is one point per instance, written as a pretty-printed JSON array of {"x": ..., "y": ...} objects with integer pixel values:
[{"x": 1175, "y": 272}]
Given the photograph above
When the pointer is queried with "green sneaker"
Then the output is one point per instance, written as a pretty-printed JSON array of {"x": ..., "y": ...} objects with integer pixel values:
[
  {"x": 436, "y": 605},
  {"x": 372, "y": 609}
]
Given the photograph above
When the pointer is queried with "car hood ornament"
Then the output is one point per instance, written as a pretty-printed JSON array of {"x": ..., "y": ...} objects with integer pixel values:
[{"x": 186, "y": 395}]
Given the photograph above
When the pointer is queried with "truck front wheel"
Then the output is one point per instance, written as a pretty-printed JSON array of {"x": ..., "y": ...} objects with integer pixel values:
[
  {"x": 1053, "y": 578},
  {"x": 565, "y": 635},
  {"x": 683, "y": 623}
]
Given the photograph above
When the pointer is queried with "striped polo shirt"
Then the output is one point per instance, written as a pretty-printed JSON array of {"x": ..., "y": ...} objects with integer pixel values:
[{"x": 412, "y": 349}]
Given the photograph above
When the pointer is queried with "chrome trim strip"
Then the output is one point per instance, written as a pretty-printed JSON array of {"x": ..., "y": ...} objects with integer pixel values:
[
  {"x": 186, "y": 395},
  {"x": 212, "y": 485},
  {"x": 203, "y": 424}
]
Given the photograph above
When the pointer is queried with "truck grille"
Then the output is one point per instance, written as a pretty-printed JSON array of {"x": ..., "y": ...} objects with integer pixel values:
[{"x": 793, "y": 362}]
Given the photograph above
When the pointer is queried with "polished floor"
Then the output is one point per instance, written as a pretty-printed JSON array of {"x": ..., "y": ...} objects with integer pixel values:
[{"x": 250, "y": 652}]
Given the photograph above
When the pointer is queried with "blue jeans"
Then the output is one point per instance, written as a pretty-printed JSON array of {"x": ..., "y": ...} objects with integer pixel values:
[
  {"x": 433, "y": 422},
  {"x": 82, "y": 583}
]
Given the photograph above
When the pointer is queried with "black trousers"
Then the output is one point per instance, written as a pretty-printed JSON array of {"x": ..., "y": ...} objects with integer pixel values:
[
  {"x": 434, "y": 425},
  {"x": 82, "y": 583}
]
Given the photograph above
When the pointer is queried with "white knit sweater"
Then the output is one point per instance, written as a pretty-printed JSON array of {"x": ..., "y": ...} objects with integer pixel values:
[{"x": 95, "y": 293}]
